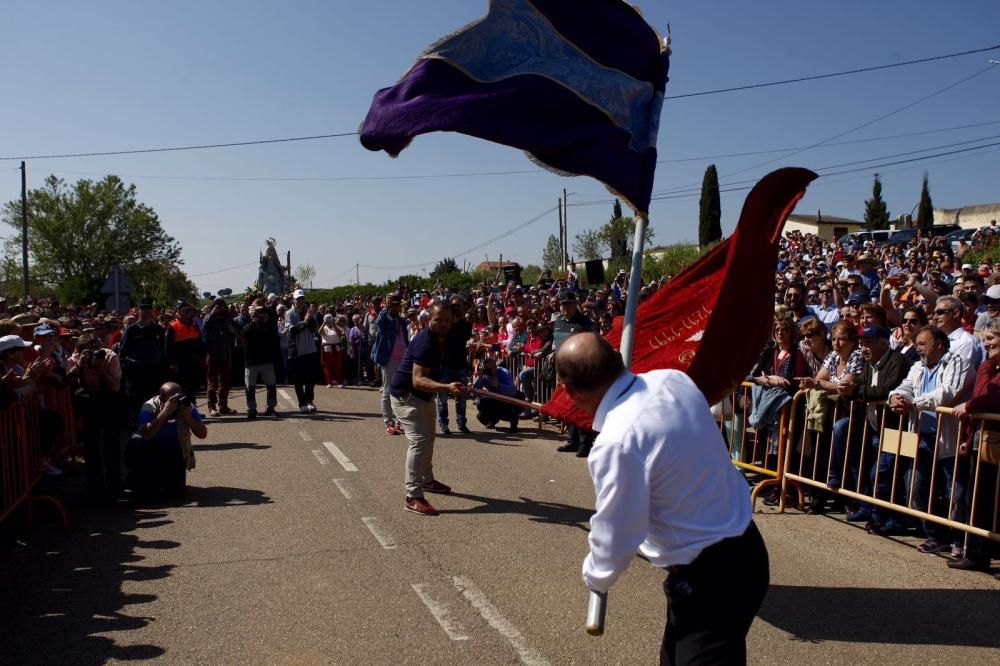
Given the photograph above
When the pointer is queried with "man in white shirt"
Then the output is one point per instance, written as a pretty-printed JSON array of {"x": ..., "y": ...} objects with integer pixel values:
[
  {"x": 665, "y": 487},
  {"x": 948, "y": 315}
]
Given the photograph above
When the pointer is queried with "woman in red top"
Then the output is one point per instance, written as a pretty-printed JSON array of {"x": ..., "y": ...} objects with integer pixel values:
[{"x": 985, "y": 436}]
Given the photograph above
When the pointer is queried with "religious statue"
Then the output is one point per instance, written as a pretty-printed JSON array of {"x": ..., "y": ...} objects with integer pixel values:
[{"x": 272, "y": 277}]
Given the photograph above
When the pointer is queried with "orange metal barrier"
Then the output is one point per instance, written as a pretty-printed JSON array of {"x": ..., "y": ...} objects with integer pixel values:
[
  {"x": 761, "y": 456},
  {"x": 948, "y": 479},
  {"x": 21, "y": 459}
]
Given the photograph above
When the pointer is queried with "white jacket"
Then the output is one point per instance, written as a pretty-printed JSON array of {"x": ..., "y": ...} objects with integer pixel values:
[{"x": 954, "y": 385}]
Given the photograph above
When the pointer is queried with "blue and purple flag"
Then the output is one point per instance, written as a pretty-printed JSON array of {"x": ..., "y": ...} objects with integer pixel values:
[{"x": 578, "y": 85}]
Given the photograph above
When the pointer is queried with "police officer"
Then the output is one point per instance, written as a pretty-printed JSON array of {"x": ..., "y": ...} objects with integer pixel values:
[
  {"x": 143, "y": 355},
  {"x": 665, "y": 487},
  {"x": 570, "y": 322}
]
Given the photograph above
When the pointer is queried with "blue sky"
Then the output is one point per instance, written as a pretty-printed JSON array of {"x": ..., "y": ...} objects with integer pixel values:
[{"x": 120, "y": 75}]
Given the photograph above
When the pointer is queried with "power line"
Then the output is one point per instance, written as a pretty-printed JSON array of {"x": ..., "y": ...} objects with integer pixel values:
[
  {"x": 169, "y": 149},
  {"x": 827, "y": 145},
  {"x": 223, "y": 270},
  {"x": 849, "y": 131},
  {"x": 817, "y": 77},
  {"x": 282, "y": 179}
]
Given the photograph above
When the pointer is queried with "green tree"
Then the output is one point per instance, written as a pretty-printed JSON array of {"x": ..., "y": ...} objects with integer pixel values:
[
  {"x": 78, "y": 233},
  {"x": 709, "y": 209},
  {"x": 445, "y": 266},
  {"x": 588, "y": 245},
  {"x": 618, "y": 236},
  {"x": 552, "y": 254},
  {"x": 876, "y": 212},
  {"x": 925, "y": 211}
]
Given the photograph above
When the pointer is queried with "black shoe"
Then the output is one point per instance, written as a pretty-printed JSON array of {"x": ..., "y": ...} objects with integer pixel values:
[
  {"x": 464, "y": 429},
  {"x": 270, "y": 412},
  {"x": 445, "y": 430},
  {"x": 583, "y": 453},
  {"x": 513, "y": 426},
  {"x": 568, "y": 448},
  {"x": 251, "y": 416},
  {"x": 967, "y": 564}
]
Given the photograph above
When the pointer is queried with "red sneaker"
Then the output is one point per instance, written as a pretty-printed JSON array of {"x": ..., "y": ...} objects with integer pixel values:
[{"x": 419, "y": 505}]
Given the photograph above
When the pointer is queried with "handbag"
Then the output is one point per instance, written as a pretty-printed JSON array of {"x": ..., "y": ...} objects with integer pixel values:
[{"x": 989, "y": 447}]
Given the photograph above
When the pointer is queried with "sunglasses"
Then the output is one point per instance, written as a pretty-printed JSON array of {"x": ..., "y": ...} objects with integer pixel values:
[
  {"x": 943, "y": 311},
  {"x": 826, "y": 291},
  {"x": 911, "y": 322}
]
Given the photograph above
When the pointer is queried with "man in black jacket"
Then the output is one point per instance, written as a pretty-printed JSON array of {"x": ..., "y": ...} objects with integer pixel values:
[
  {"x": 884, "y": 370},
  {"x": 259, "y": 341},
  {"x": 143, "y": 355}
]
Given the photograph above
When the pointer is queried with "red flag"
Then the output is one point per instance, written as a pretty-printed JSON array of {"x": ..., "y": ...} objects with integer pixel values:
[{"x": 713, "y": 319}]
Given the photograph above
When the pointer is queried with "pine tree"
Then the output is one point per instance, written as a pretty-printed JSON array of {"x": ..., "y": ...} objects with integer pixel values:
[
  {"x": 925, "y": 211},
  {"x": 709, "y": 209},
  {"x": 876, "y": 212}
]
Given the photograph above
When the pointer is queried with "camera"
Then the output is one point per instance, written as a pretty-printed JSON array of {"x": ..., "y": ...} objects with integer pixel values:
[
  {"x": 100, "y": 354},
  {"x": 185, "y": 400}
]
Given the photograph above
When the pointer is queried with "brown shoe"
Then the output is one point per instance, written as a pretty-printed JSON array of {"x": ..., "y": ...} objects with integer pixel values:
[{"x": 419, "y": 505}]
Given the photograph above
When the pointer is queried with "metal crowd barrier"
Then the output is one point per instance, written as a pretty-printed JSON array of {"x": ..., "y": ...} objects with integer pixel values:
[
  {"x": 900, "y": 473},
  {"x": 21, "y": 459},
  {"x": 543, "y": 382},
  {"x": 748, "y": 449}
]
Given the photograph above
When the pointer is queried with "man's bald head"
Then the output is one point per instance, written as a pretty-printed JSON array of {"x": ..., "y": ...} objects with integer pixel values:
[
  {"x": 587, "y": 362},
  {"x": 169, "y": 389}
]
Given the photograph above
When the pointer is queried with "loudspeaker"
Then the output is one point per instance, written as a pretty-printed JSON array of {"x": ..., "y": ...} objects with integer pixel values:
[
  {"x": 595, "y": 272},
  {"x": 512, "y": 274}
]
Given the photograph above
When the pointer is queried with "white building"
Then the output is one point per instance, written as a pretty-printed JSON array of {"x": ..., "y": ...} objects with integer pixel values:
[
  {"x": 969, "y": 217},
  {"x": 827, "y": 227}
]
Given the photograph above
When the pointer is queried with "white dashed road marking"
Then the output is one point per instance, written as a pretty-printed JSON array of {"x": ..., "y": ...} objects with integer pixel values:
[
  {"x": 344, "y": 461},
  {"x": 306, "y": 437},
  {"x": 384, "y": 540},
  {"x": 498, "y": 621},
  {"x": 441, "y": 613},
  {"x": 323, "y": 460},
  {"x": 343, "y": 488}
]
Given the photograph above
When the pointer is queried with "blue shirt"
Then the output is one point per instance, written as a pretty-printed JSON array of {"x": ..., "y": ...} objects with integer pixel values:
[
  {"x": 506, "y": 382},
  {"x": 166, "y": 436},
  {"x": 928, "y": 420},
  {"x": 425, "y": 351}
]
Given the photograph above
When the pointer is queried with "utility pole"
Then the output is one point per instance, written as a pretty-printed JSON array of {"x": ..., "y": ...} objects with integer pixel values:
[
  {"x": 562, "y": 242},
  {"x": 357, "y": 274},
  {"x": 565, "y": 219},
  {"x": 24, "y": 228}
]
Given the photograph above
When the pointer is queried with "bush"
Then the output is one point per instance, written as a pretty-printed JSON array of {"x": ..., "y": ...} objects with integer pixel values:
[
  {"x": 670, "y": 260},
  {"x": 986, "y": 247}
]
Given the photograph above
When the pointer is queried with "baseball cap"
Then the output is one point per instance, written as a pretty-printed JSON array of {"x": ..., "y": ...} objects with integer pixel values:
[
  {"x": 567, "y": 296},
  {"x": 146, "y": 303},
  {"x": 869, "y": 332},
  {"x": 8, "y": 342},
  {"x": 298, "y": 293},
  {"x": 966, "y": 267},
  {"x": 44, "y": 329},
  {"x": 993, "y": 293},
  {"x": 856, "y": 299}
]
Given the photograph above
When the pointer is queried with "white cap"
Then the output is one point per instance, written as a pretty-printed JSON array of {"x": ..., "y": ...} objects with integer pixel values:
[
  {"x": 298, "y": 293},
  {"x": 964, "y": 266},
  {"x": 13, "y": 342},
  {"x": 993, "y": 293}
]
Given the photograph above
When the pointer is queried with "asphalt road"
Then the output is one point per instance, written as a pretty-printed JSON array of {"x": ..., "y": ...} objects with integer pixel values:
[{"x": 292, "y": 547}]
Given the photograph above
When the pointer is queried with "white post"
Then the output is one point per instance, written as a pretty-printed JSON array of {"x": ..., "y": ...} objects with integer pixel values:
[{"x": 632, "y": 304}]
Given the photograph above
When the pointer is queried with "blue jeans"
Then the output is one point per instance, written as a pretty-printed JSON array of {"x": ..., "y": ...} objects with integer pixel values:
[
  {"x": 449, "y": 375},
  {"x": 527, "y": 377},
  {"x": 944, "y": 477},
  {"x": 852, "y": 449}
]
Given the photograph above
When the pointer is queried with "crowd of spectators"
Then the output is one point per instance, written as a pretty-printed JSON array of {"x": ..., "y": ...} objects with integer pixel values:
[{"x": 910, "y": 326}]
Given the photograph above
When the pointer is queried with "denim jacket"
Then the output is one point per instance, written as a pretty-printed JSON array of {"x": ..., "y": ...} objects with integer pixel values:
[{"x": 388, "y": 328}]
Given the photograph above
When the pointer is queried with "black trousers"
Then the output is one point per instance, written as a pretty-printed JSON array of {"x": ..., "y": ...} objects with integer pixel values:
[
  {"x": 711, "y": 602},
  {"x": 304, "y": 371}
]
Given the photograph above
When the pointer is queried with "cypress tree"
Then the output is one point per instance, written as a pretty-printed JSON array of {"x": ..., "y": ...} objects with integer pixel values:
[
  {"x": 709, "y": 209},
  {"x": 876, "y": 213},
  {"x": 925, "y": 212}
]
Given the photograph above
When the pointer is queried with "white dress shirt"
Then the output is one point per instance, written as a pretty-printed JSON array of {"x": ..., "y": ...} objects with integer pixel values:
[
  {"x": 968, "y": 347},
  {"x": 664, "y": 483}
]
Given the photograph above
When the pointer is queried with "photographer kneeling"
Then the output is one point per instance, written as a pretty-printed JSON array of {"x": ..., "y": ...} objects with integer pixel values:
[
  {"x": 161, "y": 453},
  {"x": 495, "y": 380}
]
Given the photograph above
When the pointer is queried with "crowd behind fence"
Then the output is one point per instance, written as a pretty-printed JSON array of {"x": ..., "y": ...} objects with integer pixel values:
[{"x": 897, "y": 475}]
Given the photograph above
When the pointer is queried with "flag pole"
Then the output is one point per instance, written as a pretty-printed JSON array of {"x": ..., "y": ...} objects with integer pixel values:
[{"x": 632, "y": 304}]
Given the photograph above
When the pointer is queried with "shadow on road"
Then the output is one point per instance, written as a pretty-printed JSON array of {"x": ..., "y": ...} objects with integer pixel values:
[
  {"x": 541, "y": 512},
  {"x": 62, "y": 587},
  {"x": 959, "y": 617},
  {"x": 230, "y": 446},
  {"x": 216, "y": 496}
]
